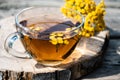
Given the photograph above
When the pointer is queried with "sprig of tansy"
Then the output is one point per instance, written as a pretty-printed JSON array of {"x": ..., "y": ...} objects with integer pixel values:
[
  {"x": 57, "y": 38},
  {"x": 94, "y": 15}
]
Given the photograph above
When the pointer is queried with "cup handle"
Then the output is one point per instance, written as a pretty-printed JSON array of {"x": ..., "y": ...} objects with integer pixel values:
[{"x": 9, "y": 46}]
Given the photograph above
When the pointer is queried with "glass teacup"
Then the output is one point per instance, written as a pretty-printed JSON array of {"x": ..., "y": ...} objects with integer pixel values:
[{"x": 48, "y": 37}]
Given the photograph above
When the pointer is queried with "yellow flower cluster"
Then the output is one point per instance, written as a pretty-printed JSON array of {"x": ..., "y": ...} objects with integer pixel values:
[
  {"x": 94, "y": 15},
  {"x": 83, "y": 6},
  {"x": 94, "y": 21},
  {"x": 57, "y": 38}
]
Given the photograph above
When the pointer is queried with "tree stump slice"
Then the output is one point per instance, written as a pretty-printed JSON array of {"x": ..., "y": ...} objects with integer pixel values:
[{"x": 86, "y": 57}]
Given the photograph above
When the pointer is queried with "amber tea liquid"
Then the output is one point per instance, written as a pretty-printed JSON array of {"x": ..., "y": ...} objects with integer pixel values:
[{"x": 42, "y": 49}]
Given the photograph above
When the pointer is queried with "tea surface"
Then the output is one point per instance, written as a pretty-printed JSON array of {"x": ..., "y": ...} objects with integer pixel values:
[{"x": 41, "y": 48}]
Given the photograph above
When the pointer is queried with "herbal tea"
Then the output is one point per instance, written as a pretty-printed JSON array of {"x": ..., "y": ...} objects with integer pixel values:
[
  {"x": 42, "y": 49},
  {"x": 47, "y": 36}
]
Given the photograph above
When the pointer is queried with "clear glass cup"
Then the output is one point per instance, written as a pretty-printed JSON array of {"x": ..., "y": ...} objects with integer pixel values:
[{"x": 46, "y": 34}]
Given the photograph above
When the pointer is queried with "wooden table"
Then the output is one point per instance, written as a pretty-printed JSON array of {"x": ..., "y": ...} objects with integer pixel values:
[{"x": 110, "y": 69}]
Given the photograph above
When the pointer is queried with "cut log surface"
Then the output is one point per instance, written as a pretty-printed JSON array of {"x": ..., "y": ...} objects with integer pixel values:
[{"x": 86, "y": 57}]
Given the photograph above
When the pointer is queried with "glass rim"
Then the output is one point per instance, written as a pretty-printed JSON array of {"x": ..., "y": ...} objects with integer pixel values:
[{"x": 26, "y": 30}]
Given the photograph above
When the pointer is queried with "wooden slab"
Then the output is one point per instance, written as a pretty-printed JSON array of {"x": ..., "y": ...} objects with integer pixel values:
[{"x": 79, "y": 63}]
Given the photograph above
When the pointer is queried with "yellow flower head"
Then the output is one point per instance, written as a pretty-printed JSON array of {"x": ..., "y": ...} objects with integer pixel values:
[
  {"x": 68, "y": 29},
  {"x": 60, "y": 34},
  {"x": 53, "y": 42},
  {"x": 59, "y": 40},
  {"x": 66, "y": 42}
]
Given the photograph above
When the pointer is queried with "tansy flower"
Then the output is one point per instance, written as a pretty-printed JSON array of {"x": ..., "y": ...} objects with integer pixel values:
[
  {"x": 94, "y": 15},
  {"x": 66, "y": 42},
  {"x": 54, "y": 42},
  {"x": 59, "y": 40},
  {"x": 68, "y": 29},
  {"x": 60, "y": 34}
]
